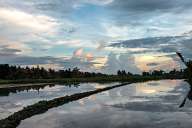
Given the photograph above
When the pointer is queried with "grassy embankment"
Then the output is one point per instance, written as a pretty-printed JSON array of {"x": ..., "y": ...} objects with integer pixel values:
[{"x": 81, "y": 80}]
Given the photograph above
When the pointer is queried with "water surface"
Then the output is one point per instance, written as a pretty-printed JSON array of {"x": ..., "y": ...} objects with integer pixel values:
[
  {"x": 14, "y": 99},
  {"x": 150, "y": 104}
]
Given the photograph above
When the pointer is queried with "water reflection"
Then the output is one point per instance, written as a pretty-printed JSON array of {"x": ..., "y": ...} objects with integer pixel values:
[
  {"x": 156, "y": 87},
  {"x": 7, "y": 91},
  {"x": 188, "y": 96},
  {"x": 15, "y": 98},
  {"x": 130, "y": 106}
]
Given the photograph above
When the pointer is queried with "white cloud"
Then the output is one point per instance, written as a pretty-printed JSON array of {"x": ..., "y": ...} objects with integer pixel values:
[
  {"x": 21, "y": 27},
  {"x": 116, "y": 31},
  {"x": 117, "y": 62},
  {"x": 78, "y": 43},
  {"x": 26, "y": 29},
  {"x": 39, "y": 23},
  {"x": 122, "y": 32},
  {"x": 98, "y": 2},
  {"x": 127, "y": 50}
]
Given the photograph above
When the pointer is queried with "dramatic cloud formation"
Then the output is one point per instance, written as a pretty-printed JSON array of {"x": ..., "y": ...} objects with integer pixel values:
[{"x": 96, "y": 35}]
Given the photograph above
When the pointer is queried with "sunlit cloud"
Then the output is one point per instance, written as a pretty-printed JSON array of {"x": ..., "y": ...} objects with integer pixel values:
[
  {"x": 147, "y": 62},
  {"x": 99, "y": 62},
  {"x": 39, "y": 23},
  {"x": 144, "y": 89},
  {"x": 89, "y": 56},
  {"x": 78, "y": 52}
]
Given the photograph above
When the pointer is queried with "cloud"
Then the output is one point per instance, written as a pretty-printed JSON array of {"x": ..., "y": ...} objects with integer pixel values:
[
  {"x": 78, "y": 52},
  {"x": 75, "y": 43},
  {"x": 31, "y": 29},
  {"x": 20, "y": 19},
  {"x": 115, "y": 31},
  {"x": 145, "y": 42},
  {"x": 150, "y": 18},
  {"x": 117, "y": 62},
  {"x": 89, "y": 56},
  {"x": 16, "y": 46},
  {"x": 38, "y": 31},
  {"x": 81, "y": 54},
  {"x": 56, "y": 8},
  {"x": 151, "y": 61},
  {"x": 152, "y": 64},
  {"x": 146, "y": 59},
  {"x": 12, "y": 58},
  {"x": 150, "y": 5},
  {"x": 6, "y": 50},
  {"x": 96, "y": 2},
  {"x": 19, "y": 27},
  {"x": 99, "y": 62},
  {"x": 101, "y": 44}
]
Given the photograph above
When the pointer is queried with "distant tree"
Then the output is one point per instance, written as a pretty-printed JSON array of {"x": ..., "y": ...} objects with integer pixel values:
[
  {"x": 18, "y": 72},
  {"x": 119, "y": 73}
]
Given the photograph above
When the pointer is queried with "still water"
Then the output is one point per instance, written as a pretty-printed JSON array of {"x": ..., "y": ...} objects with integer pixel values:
[
  {"x": 150, "y": 104},
  {"x": 14, "y": 99}
]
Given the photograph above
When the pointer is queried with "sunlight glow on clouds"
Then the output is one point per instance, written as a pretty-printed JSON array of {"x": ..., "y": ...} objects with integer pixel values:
[
  {"x": 99, "y": 62},
  {"x": 78, "y": 52},
  {"x": 151, "y": 62},
  {"x": 40, "y": 23},
  {"x": 96, "y": 35}
]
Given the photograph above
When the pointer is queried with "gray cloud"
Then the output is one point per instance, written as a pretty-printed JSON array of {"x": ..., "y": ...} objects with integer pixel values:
[
  {"x": 150, "y": 5},
  {"x": 139, "y": 12},
  {"x": 144, "y": 42},
  {"x": 168, "y": 45},
  {"x": 56, "y": 8},
  {"x": 5, "y": 50},
  {"x": 10, "y": 57},
  {"x": 152, "y": 64}
]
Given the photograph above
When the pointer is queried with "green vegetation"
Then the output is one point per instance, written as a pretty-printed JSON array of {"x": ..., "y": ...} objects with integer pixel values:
[
  {"x": 106, "y": 79},
  {"x": 11, "y": 75}
]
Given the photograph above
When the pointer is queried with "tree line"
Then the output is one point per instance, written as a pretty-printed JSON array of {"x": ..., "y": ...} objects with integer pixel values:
[
  {"x": 17, "y": 72},
  {"x": 156, "y": 73}
]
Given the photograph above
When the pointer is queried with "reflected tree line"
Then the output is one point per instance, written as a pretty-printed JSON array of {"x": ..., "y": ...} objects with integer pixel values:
[
  {"x": 7, "y": 91},
  {"x": 11, "y": 72}
]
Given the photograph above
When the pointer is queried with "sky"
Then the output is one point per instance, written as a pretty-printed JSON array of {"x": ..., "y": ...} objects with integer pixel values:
[{"x": 96, "y": 35}]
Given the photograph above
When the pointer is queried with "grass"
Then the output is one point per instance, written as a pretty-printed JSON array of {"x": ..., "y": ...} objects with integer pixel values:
[{"x": 81, "y": 80}]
